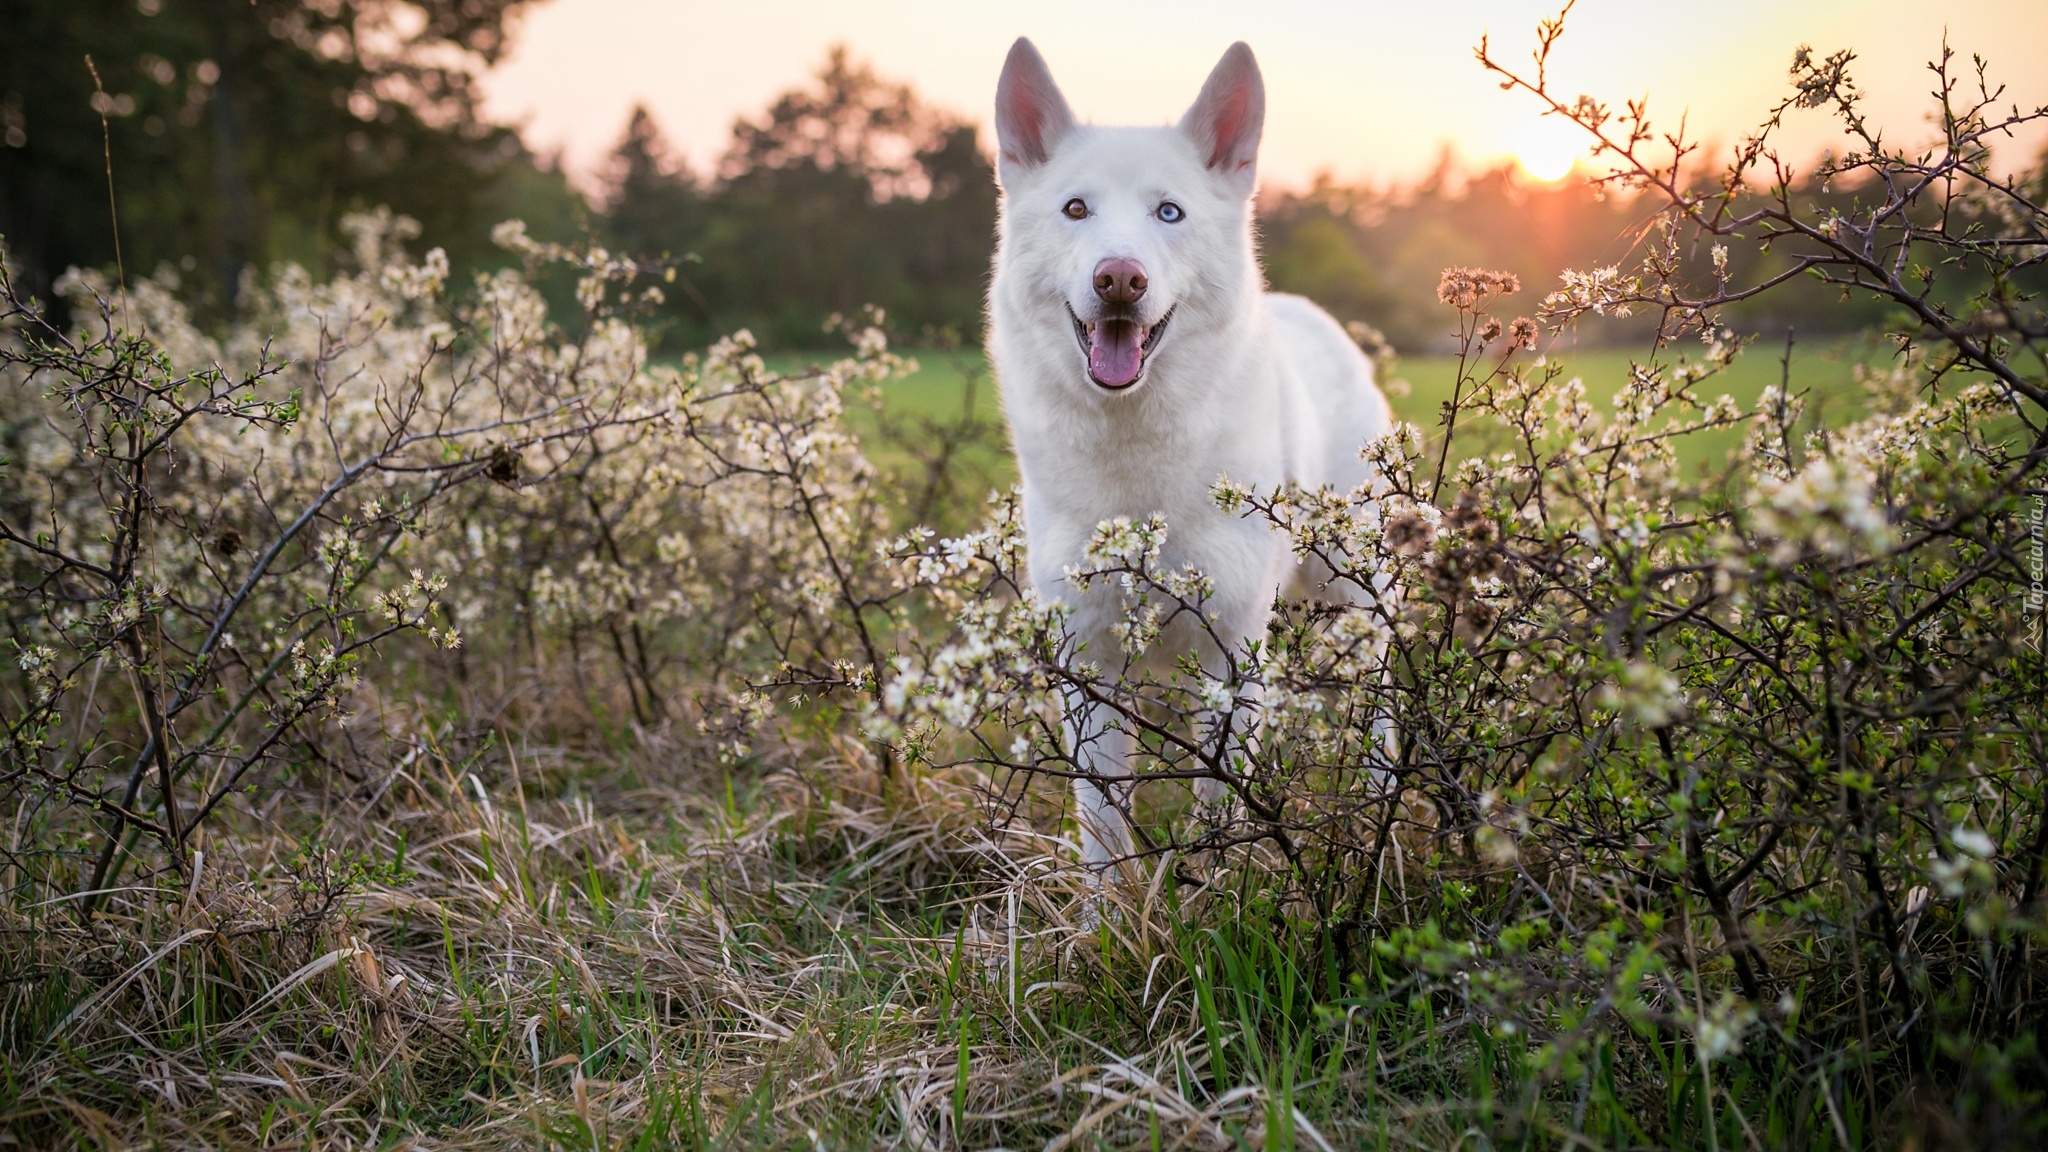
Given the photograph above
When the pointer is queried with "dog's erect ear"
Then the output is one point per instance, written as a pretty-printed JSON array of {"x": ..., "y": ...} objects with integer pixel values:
[
  {"x": 1031, "y": 115},
  {"x": 1228, "y": 117}
]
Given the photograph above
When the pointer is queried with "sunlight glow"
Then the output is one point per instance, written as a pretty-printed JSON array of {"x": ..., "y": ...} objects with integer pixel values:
[
  {"x": 578, "y": 66},
  {"x": 1549, "y": 148}
]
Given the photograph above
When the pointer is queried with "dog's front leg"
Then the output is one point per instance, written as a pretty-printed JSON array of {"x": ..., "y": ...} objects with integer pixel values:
[
  {"x": 1102, "y": 752},
  {"x": 1384, "y": 603},
  {"x": 1231, "y": 736},
  {"x": 1228, "y": 737}
]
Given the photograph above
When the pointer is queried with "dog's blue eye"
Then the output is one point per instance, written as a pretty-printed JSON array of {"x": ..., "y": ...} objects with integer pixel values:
[
  {"x": 1169, "y": 212},
  {"x": 1076, "y": 209}
]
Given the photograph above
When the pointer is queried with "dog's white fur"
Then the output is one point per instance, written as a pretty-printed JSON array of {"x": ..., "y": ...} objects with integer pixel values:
[{"x": 1259, "y": 387}]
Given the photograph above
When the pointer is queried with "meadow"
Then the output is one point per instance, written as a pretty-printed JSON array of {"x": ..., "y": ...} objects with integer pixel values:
[
  {"x": 439, "y": 714},
  {"x": 543, "y": 902},
  {"x": 953, "y": 387}
]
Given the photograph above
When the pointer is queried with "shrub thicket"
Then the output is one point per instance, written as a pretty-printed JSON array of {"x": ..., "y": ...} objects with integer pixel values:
[{"x": 1716, "y": 818}]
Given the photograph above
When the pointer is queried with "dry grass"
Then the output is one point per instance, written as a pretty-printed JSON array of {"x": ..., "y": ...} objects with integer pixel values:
[{"x": 493, "y": 943}]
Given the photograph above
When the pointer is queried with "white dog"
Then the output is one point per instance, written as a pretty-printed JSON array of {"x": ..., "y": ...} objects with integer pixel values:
[{"x": 1141, "y": 359}]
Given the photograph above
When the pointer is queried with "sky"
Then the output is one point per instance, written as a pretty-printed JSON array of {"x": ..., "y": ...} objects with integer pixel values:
[{"x": 1369, "y": 89}]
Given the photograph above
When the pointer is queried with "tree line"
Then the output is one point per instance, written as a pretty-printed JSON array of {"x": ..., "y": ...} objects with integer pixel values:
[
  {"x": 848, "y": 191},
  {"x": 238, "y": 133}
]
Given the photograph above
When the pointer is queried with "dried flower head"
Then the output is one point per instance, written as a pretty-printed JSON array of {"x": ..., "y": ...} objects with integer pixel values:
[
  {"x": 1448, "y": 577},
  {"x": 1490, "y": 331},
  {"x": 1522, "y": 332},
  {"x": 503, "y": 466},
  {"x": 1457, "y": 288},
  {"x": 1484, "y": 563},
  {"x": 1467, "y": 512},
  {"x": 1476, "y": 618},
  {"x": 1408, "y": 534},
  {"x": 1464, "y": 288}
]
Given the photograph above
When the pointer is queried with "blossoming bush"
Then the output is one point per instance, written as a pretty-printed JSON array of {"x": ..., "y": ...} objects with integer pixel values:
[
  {"x": 202, "y": 558},
  {"x": 1710, "y": 802},
  {"x": 1754, "y": 761}
]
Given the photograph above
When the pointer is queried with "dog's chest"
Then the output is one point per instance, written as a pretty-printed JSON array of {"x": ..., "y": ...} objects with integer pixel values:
[
  {"x": 1066, "y": 498},
  {"x": 1166, "y": 460}
]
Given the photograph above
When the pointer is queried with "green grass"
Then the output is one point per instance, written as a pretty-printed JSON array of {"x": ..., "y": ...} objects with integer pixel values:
[
  {"x": 947, "y": 385},
  {"x": 941, "y": 423},
  {"x": 1823, "y": 370},
  {"x": 952, "y": 386}
]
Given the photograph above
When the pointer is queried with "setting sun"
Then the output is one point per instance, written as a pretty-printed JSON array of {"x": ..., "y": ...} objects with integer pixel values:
[{"x": 1548, "y": 148}]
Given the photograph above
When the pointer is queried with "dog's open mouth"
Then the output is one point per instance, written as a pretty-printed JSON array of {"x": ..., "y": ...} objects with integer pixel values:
[{"x": 1117, "y": 346}]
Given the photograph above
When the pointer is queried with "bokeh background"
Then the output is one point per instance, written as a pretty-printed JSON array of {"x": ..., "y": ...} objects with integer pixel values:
[{"x": 807, "y": 156}]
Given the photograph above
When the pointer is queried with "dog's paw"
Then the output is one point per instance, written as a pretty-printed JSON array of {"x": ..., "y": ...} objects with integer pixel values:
[
  {"x": 1097, "y": 904},
  {"x": 1092, "y": 912}
]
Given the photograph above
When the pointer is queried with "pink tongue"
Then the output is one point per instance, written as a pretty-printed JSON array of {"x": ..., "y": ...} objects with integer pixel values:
[{"x": 1113, "y": 356}]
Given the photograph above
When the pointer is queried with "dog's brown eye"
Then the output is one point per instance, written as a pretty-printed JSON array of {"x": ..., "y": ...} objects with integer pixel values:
[
  {"x": 1169, "y": 212},
  {"x": 1076, "y": 209}
]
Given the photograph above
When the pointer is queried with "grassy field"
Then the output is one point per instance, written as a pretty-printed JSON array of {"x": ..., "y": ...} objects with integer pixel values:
[
  {"x": 564, "y": 949},
  {"x": 952, "y": 386},
  {"x": 599, "y": 936}
]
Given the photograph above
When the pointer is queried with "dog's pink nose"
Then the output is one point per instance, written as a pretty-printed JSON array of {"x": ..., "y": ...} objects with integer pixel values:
[{"x": 1120, "y": 280}]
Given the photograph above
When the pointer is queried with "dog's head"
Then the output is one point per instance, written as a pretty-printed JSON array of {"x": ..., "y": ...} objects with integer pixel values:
[{"x": 1121, "y": 233}]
